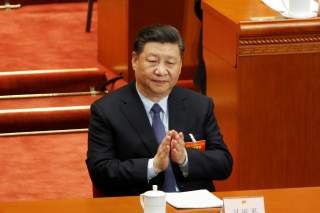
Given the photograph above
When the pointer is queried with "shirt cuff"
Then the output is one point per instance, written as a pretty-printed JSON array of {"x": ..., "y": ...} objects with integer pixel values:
[
  {"x": 184, "y": 166},
  {"x": 151, "y": 173}
]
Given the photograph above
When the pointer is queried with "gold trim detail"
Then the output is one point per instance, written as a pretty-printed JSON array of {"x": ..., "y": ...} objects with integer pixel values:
[
  {"x": 44, "y": 109},
  {"x": 47, "y": 95},
  {"x": 9, "y": 6},
  {"x": 43, "y": 132},
  {"x": 280, "y": 40},
  {"x": 279, "y": 45},
  {"x": 28, "y": 72}
]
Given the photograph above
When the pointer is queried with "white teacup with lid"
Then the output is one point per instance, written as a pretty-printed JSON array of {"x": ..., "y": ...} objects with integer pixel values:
[
  {"x": 153, "y": 201},
  {"x": 298, "y": 8}
]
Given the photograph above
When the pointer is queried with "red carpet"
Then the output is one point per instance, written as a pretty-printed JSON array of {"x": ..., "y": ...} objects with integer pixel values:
[
  {"x": 44, "y": 167},
  {"x": 47, "y": 36}
]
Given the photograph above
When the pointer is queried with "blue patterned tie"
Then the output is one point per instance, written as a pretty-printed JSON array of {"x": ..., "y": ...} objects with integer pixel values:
[{"x": 169, "y": 184}]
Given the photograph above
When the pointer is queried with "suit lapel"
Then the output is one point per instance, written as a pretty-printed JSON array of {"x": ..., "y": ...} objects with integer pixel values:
[
  {"x": 177, "y": 115},
  {"x": 177, "y": 110},
  {"x": 135, "y": 112}
]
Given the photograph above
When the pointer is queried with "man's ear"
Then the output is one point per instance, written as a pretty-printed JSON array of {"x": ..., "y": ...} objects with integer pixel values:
[{"x": 134, "y": 60}]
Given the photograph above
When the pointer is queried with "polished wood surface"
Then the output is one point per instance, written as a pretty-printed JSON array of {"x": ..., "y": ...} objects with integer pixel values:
[
  {"x": 264, "y": 76},
  {"x": 286, "y": 200},
  {"x": 113, "y": 35},
  {"x": 276, "y": 201},
  {"x": 238, "y": 10},
  {"x": 119, "y": 21}
]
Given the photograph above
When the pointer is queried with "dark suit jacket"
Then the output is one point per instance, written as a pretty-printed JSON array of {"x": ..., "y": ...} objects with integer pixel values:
[{"x": 121, "y": 140}]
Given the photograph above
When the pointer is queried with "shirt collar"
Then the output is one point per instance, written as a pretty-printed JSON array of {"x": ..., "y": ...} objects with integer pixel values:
[{"x": 148, "y": 103}]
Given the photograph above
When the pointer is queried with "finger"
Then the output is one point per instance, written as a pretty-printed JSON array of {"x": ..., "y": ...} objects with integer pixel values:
[
  {"x": 166, "y": 139},
  {"x": 174, "y": 143},
  {"x": 175, "y": 151},
  {"x": 176, "y": 136},
  {"x": 173, "y": 133},
  {"x": 181, "y": 136},
  {"x": 179, "y": 145},
  {"x": 178, "y": 156},
  {"x": 165, "y": 142},
  {"x": 165, "y": 150}
]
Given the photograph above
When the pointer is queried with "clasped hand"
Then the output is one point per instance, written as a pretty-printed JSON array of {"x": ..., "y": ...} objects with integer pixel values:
[{"x": 172, "y": 147}]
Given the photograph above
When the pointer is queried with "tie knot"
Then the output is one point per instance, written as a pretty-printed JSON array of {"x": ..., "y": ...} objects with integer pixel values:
[{"x": 156, "y": 108}]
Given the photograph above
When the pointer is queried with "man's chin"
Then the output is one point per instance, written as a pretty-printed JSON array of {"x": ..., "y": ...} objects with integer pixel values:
[{"x": 163, "y": 91}]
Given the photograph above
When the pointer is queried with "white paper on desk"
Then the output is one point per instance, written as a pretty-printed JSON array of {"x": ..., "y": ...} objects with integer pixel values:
[
  {"x": 193, "y": 199},
  {"x": 278, "y": 6}
]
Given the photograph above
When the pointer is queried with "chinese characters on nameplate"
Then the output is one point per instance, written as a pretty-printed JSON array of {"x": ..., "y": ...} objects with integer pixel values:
[{"x": 243, "y": 205}]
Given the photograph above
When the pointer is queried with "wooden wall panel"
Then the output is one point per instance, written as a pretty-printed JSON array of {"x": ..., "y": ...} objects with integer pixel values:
[
  {"x": 119, "y": 21},
  {"x": 113, "y": 35},
  {"x": 223, "y": 87},
  {"x": 277, "y": 118},
  {"x": 271, "y": 122}
]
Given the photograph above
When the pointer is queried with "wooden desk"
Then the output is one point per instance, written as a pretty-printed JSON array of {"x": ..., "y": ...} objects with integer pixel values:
[
  {"x": 276, "y": 201},
  {"x": 287, "y": 200},
  {"x": 265, "y": 80}
]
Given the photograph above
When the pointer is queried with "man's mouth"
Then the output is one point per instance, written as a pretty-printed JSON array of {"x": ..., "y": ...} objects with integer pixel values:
[{"x": 160, "y": 81}]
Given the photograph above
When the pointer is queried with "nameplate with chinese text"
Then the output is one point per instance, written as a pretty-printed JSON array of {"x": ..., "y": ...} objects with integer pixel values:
[{"x": 243, "y": 205}]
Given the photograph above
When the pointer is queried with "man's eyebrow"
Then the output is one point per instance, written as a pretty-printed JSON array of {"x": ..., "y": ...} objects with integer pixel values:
[
  {"x": 172, "y": 58},
  {"x": 151, "y": 55}
]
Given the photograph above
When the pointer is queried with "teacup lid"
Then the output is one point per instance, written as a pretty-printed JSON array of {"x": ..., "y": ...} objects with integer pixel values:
[{"x": 154, "y": 192}]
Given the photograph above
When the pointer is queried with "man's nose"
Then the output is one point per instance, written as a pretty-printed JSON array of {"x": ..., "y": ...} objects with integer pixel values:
[{"x": 161, "y": 69}]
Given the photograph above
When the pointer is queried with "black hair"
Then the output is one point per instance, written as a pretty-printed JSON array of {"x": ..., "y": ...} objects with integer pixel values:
[{"x": 158, "y": 33}]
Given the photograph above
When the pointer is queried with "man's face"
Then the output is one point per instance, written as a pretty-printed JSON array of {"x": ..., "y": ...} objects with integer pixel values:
[{"x": 157, "y": 69}]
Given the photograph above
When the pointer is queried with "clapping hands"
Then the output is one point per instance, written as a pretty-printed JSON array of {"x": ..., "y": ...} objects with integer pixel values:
[{"x": 171, "y": 148}]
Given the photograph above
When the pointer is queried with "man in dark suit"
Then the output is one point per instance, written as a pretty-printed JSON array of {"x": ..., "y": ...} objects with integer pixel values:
[{"x": 137, "y": 134}]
